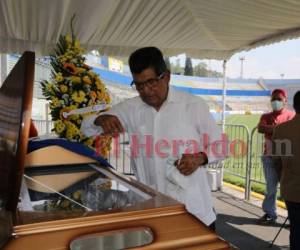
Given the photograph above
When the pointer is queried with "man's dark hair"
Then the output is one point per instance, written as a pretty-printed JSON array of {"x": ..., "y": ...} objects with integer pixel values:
[
  {"x": 297, "y": 102},
  {"x": 148, "y": 57}
]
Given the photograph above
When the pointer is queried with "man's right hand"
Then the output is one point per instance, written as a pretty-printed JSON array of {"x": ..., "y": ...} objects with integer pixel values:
[{"x": 110, "y": 124}]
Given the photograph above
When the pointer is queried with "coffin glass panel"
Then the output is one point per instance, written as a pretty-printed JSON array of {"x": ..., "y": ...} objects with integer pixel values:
[{"x": 97, "y": 190}]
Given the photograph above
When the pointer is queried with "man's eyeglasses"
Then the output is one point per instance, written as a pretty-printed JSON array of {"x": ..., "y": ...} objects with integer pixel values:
[{"x": 150, "y": 83}]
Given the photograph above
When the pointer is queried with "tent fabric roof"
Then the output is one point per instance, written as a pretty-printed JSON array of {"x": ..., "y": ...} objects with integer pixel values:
[{"x": 213, "y": 29}]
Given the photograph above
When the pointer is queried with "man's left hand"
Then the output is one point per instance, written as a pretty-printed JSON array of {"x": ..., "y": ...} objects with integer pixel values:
[{"x": 189, "y": 163}]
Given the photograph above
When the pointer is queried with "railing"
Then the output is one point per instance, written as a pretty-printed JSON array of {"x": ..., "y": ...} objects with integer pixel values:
[
  {"x": 237, "y": 161},
  {"x": 244, "y": 149},
  {"x": 245, "y": 165},
  {"x": 44, "y": 127},
  {"x": 119, "y": 155},
  {"x": 256, "y": 152},
  {"x": 238, "y": 144}
]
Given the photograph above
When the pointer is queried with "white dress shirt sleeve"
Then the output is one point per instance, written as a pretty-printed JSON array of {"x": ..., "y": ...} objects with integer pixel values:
[
  {"x": 122, "y": 110},
  {"x": 211, "y": 141}
]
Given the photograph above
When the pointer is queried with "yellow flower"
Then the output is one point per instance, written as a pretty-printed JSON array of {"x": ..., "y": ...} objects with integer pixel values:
[
  {"x": 75, "y": 79},
  {"x": 69, "y": 134},
  {"x": 80, "y": 70},
  {"x": 89, "y": 142},
  {"x": 77, "y": 44},
  {"x": 73, "y": 117},
  {"x": 69, "y": 124},
  {"x": 91, "y": 102},
  {"x": 63, "y": 88},
  {"x": 87, "y": 80},
  {"x": 81, "y": 136},
  {"x": 63, "y": 59},
  {"x": 59, "y": 77},
  {"x": 103, "y": 145},
  {"x": 72, "y": 131},
  {"x": 107, "y": 98},
  {"x": 55, "y": 102},
  {"x": 93, "y": 95},
  {"x": 100, "y": 95},
  {"x": 59, "y": 126},
  {"x": 65, "y": 203},
  {"x": 100, "y": 85},
  {"x": 91, "y": 74},
  {"x": 68, "y": 39},
  {"x": 72, "y": 107},
  {"x": 78, "y": 96},
  {"x": 77, "y": 195},
  {"x": 49, "y": 87}
]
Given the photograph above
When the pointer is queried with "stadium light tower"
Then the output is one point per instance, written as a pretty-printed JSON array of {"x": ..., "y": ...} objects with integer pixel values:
[
  {"x": 281, "y": 75},
  {"x": 242, "y": 59}
]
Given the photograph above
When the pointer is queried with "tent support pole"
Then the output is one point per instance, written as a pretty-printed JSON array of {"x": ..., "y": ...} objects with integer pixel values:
[
  {"x": 224, "y": 96},
  {"x": 223, "y": 119}
]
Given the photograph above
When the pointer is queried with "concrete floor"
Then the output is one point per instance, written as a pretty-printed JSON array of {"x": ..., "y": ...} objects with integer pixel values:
[{"x": 237, "y": 223}]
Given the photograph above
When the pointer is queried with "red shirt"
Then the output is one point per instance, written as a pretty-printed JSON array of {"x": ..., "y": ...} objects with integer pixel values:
[{"x": 275, "y": 118}]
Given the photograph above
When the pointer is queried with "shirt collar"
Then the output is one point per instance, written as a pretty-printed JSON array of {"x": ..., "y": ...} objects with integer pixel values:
[{"x": 171, "y": 98}]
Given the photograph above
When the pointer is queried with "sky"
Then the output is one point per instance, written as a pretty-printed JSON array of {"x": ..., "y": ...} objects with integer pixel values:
[{"x": 277, "y": 61}]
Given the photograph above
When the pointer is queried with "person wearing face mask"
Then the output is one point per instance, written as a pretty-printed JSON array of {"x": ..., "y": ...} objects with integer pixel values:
[{"x": 267, "y": 123}]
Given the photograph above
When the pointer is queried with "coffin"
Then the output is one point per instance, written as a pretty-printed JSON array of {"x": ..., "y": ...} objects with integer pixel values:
[{"x": 53, "y": 197}]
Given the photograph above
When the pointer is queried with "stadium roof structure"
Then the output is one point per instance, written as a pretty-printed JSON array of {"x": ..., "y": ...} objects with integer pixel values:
[{"x": 212, "y": 29}]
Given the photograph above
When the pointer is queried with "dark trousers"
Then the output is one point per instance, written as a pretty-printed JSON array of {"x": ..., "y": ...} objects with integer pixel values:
[{"x": 294, "y": 217}]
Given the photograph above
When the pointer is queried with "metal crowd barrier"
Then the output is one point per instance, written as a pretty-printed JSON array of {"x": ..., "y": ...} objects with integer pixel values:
[
  {"x": 247, "y": 166},
  {"x": 255, "y": 167},
  {"x": 256, "y": 152},
  {"x": 237, "y": 148}
]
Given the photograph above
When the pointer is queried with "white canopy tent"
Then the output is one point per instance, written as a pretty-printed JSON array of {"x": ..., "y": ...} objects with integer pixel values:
[{"x": 213, "y": 29}]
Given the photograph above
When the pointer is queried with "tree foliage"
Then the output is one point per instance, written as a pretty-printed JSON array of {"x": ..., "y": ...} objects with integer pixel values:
[
  {"x": 188, "y": 69},
  {"x": 201, "y": 69}
]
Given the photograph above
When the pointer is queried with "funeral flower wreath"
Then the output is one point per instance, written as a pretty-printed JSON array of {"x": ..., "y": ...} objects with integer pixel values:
[{"x": 74, "y": 92}]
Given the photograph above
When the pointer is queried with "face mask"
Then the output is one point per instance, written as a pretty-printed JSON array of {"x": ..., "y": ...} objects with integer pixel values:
[{"x": 277, "y": 105}]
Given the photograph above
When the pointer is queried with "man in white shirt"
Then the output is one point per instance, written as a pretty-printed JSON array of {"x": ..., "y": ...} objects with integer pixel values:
[{"x": 170, "y": 134}]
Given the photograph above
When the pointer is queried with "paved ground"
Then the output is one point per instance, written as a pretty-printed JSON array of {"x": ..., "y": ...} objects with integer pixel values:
[{"x": 236, "y": 223}]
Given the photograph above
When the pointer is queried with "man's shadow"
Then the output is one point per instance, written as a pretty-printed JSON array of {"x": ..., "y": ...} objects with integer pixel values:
[{"x": 239, "y": 238}]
